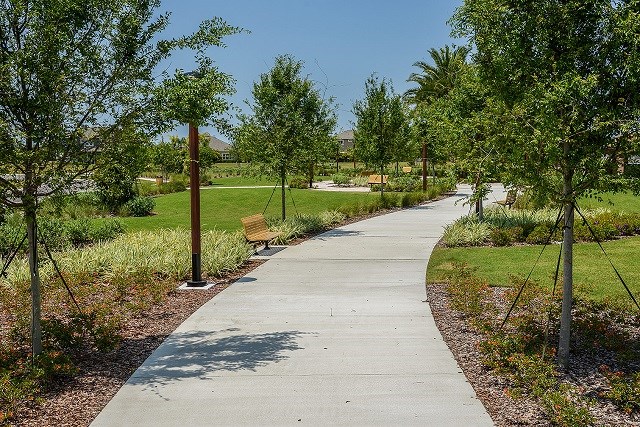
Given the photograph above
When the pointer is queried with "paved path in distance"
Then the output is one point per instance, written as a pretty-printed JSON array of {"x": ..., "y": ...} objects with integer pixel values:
[{"x": 334, "y": 331}]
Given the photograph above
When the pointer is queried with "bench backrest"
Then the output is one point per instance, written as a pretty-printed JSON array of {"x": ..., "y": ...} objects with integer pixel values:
[
  {"x": 254, "y": 224},
  {"x": 375, "y": 179},
  {"x": 407, "y": 169},
  {"x": 511, "y": 197}
]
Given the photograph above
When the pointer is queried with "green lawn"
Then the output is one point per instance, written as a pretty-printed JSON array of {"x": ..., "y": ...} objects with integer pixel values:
[
  {"x": 222, "y": 208},
  {"x": 239, "y": 181},
  {"x": 617, "y": 202},
  {"x": 592, "y": 273}
]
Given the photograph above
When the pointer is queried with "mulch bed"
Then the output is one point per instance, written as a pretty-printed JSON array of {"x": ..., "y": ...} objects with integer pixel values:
[
  {"x": 493, "y": 390},
  {"x": 77, "y": 401}
]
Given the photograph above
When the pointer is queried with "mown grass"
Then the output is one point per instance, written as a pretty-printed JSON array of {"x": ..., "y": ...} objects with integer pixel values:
[
  {"x": 222, "y": 208},
  {"x": 626, "y": 202},
  {"x": 593, "y": 274}
]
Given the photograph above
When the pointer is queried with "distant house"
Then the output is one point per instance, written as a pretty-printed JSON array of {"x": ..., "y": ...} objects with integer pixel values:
[
  {"x": 223, "y": 148},
  {"x": 346, "y": 140}
]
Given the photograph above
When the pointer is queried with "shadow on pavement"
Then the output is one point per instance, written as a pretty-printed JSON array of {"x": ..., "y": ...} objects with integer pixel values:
[
  {"x": 337, "y": 233},
  {"x": 196, "y": 354}
]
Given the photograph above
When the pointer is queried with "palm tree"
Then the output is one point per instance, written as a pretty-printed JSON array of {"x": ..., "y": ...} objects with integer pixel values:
[{"x": 435, "y": 81}]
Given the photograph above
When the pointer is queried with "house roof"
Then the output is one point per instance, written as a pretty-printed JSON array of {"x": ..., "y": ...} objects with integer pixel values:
[
  {"x": 347, "y": 134},
  {"x": 217, "y": 144}
]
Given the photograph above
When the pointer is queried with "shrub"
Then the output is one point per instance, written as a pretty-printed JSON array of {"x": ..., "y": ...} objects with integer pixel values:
[
  {"x": 404, "y": 183},
  {"x": 340, "y": 179},
  {"x": 176, "y": 184},
  {"x": 78, "y": 231},
  {"x": 300, "y": 182},
  {"x": 106, "y": 230},
  {"x": 473, "y": 233},
  {"x": 412, "y": 199},
  {"x": 539, "y": 235},
  {"x": 53, "y": 232},
  {"x": 139, "y": 206},
  {"x": 624, "y": 389},
  {"x": 500, "y": 237},
  {"x": 467, "y": 292}
]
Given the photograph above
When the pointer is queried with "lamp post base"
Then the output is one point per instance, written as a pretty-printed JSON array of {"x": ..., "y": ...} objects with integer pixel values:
[
  {"x": 202, "y": 285},
  {"x": 196, "y": 283}
]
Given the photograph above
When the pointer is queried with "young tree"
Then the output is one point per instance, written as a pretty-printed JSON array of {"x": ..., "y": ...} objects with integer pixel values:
[
  {"x": 168, "y": 157},
  {"x": 74, "y": 73},
  {"x": 568, "y": 74},
  {"x": 382, "y": 127},
  {"x": 118, "y": 166},
  {"x": 435, "y": 82},
  {"x": 291, "y": 125}
]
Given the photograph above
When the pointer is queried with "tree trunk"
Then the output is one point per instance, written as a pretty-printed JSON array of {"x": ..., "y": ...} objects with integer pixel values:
[
  {"x": 32, "y": 237},
  {"x": 424, "y": 167},
  {"x": 479, "y": 205},
  {"x": 567, "y": 271},
  {"x": 382, "y": 180},
  {"x": 433, "y": 168},
  {"x": 311, "y": 175},
  {"x": 282, "y": 180}
]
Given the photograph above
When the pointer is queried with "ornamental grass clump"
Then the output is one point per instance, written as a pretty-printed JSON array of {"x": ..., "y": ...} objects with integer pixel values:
[
  {"x": 466, "y": 233},
  {"x": 133, "y": 267}
]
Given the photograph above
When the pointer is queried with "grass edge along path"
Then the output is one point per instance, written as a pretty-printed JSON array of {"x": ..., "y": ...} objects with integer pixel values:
[
  {"x": 593, "y": 274},
  {"x": 222, "y": 208}
]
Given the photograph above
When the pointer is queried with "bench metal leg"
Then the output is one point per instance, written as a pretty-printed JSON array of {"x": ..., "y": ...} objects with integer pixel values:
[{"x": 266, "y": 246}]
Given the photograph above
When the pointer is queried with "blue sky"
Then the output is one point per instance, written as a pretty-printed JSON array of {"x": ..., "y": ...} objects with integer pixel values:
[{"x": 340, "y": 42}]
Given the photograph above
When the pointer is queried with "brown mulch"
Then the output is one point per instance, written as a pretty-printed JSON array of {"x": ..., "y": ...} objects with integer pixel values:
[
  {"x": 77, "y": 401},
  {"x": 492, "y": 390}
]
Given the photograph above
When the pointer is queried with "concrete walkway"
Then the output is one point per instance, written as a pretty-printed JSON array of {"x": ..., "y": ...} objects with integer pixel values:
[{"x": 335, "y": 330}]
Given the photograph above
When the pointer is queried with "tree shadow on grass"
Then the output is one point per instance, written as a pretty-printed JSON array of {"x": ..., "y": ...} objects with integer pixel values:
[{"x": 197, "y": 354}]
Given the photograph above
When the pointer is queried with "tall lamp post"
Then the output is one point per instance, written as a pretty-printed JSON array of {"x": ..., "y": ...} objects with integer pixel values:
[
  {"x": 194, "y": 188},
  {"x": 194, "y": 184}
]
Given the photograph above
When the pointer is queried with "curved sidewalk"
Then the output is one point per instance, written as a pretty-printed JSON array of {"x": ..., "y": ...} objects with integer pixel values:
[{"x": 335, "y": 330}]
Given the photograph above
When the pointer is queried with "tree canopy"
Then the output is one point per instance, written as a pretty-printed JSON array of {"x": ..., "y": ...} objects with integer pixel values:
[
  {"x": 566, "y": 76},
  {"x": 76, "y": 73},
  {"x": 382, "y": 127},
  {"x": 291, "y": 126}
]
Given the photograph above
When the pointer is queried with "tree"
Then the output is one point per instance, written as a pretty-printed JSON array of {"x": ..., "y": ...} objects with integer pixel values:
[
  {"x": 567, "y": 75},
  {"x": 291, "y": 125},
  {"x": 173, "y": 156},
  {"x": 168, "y": 157},
  {"x": 465, "y": 124},
  {"x": 118, "y": 166},
  {"x": 75, "y": 73},
  {"x": 382, "y": 128},
  {"x": 435, "y": 81}
]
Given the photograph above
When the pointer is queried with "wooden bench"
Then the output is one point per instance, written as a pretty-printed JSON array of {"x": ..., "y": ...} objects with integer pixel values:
[
  {"x": 509, "y": 200},
  {"x": 375, "y": 179},
  {"x": 256, "y": 230}
]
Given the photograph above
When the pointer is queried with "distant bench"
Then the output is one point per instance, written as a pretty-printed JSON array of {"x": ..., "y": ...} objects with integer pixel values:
[
  {"x": 510, "y": 199},
  {"x": 377, "y": 179},
  {"x": 256, "y": 230}
]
